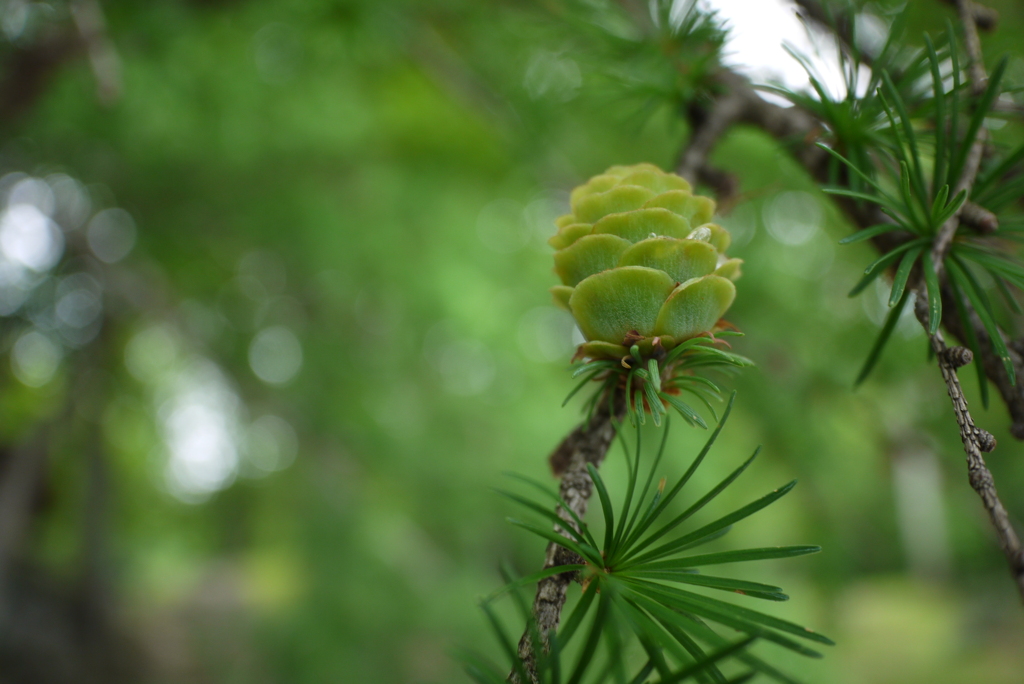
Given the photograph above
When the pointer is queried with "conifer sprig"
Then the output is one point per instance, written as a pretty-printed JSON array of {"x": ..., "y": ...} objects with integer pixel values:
[
  {"x": 906, "y": 152},
  {"x": 640, "y": 577},
  {"x": 655, "y": 383}
]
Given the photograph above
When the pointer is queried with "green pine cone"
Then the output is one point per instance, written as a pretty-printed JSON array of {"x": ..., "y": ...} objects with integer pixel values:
[{"x": 639, "y": 260}]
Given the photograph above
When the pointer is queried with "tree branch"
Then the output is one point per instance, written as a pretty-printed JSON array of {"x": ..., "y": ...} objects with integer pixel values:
[
  {"x": 976, "y": 74},
  {"x": 978, "y": 218},
  {"x": 707, "y": 126},
  {"x": 975, "y": 68},
  {"x": 587, "y": 444},
  {"x": 798, "y": 130},
  {"x": 975, "y": 441},
  {"x": 740, "y": 103},
  {"x": 985, "y": 18},
  {"x": 103, "y": 57},
  {"x": 990, "y": 361}
]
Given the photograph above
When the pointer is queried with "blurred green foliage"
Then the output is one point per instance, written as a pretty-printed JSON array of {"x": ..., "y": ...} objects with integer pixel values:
[{"x": 379, "y": 179}]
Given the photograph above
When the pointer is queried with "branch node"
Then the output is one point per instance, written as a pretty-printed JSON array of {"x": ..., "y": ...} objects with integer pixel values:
[
  {"x": 985, "y": 17},
  {"x": 957, "y": 356},
  {"x": 986, "y": 442},
  {"x": 979, "y": 218}
]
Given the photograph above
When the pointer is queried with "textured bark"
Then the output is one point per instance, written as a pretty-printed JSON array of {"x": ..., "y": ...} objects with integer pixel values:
[
  {"x": 975, "y": 442},
  {"x": 587, "y": 444}
]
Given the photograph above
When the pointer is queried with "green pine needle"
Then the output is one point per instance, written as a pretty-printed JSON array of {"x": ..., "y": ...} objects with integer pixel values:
[{"x": 640, "y": 581}]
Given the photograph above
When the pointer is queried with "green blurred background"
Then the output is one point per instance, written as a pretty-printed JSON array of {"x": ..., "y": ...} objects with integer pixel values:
[{"x": 275, "y": 320}]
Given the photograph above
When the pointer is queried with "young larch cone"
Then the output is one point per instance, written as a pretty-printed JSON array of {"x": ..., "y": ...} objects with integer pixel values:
[{"x": 639, "y": 260}]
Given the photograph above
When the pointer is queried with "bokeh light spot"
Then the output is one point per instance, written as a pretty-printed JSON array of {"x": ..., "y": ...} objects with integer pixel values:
[
  {"x": 550, "y": 74},
  {"x": 73, "y": 204},
  {"x": 200, "y": 427},
  {"x": 35, "y": 192},
  {"x": 151, "y": 353},
  {"x": 741, "y": 224},
  {"x": 30, "y": 238},
  {"x": 271, "y": 444},
  {"x": 261, "y": 275},
  {"x": 502, "y": 226},
  {"x": 466, "y": 365},
  {"x": 79, "y": 300},
  {"x": 13, "y": 292},
  {"x": 35, "y": 358},
  {"x": 793, "y": 218},
  {"x": 111, "y": 235},
  {"x": 545, "y": 334},
  {"x": 275, "y": 355},
  {"x": 809, "y": 260},
  {"x": 540, "y": 215}
]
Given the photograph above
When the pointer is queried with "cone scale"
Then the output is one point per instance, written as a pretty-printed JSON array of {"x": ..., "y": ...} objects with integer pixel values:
[{"x": 640, "y": 260}]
